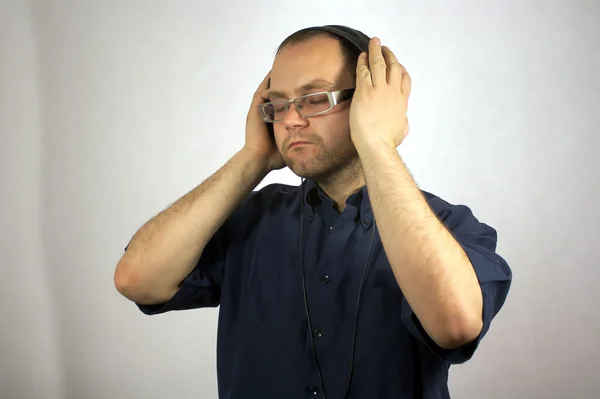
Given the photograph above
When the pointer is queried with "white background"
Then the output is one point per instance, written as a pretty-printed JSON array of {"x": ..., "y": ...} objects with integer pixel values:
[{"x": 110, "y": 110}]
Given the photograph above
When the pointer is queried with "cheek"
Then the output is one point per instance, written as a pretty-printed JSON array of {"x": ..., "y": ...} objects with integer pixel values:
[
  {"x": 280, "y": 134},
  {"x": 338, "y": 128}
]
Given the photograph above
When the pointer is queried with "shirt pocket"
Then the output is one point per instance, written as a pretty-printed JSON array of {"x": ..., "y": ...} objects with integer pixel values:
[
  {"x": 381, "y": 307},
  {"x": 382, "y": 297},
  {"x": 381, "y": 274}
]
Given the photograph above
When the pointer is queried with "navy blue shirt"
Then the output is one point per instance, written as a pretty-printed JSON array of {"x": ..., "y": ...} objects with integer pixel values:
[{"x": 251, "y": 269}]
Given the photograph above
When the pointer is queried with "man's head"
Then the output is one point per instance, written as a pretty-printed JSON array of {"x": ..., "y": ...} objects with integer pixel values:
[{"x": 307, "y": 62}]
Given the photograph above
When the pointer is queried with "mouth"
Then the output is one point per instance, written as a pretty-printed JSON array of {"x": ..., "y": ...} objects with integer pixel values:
[{"x": 298, "y": 144}]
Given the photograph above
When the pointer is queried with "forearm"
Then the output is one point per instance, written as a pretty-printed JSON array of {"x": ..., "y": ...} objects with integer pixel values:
[
  {"x": 431, "y": 268},
  {"x": 167, "y": 248}
]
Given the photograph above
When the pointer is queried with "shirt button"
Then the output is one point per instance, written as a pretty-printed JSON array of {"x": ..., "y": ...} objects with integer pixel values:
[
  {"x": 367, "y": 221},
  {"x": 318, "y": 333},
  {"x": 330, "y": 228},
  {"x": 325, "y": 279},
  {"x": 313, "y": 391}
]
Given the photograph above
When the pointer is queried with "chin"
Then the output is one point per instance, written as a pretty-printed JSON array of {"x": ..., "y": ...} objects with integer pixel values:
[
  {"x": 314, "y": 167},
  {"x": 303, "y": 171},
  {"x": 310, "y": 172}
]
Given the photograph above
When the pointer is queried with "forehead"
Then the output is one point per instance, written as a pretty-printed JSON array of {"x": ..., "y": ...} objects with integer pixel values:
[{"x": 316, "y": 59}]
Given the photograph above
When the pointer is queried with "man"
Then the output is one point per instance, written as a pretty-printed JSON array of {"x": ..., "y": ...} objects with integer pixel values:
[{"x": 356, "y": 284}]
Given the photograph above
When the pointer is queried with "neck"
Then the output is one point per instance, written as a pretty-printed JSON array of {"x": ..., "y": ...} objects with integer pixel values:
[{"x": 342, "y": 184}]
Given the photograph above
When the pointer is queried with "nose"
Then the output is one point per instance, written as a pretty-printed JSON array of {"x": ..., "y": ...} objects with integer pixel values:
[{"x": 293, "y": 119}]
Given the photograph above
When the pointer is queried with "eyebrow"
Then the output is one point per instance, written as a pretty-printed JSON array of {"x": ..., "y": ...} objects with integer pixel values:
[{"x": 313, "y": 84}]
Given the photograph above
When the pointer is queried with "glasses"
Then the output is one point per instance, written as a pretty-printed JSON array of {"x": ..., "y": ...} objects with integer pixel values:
[{"x": 309, "y": 105}]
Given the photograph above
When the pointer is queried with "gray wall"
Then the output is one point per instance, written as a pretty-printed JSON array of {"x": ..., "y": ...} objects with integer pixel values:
[
  {"x": 112, "y": 110},
  {"x": 30, "y": 351}
]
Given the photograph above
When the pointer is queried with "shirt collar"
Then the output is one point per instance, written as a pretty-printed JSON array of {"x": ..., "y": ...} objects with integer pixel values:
[{"x": 359, "y": 199}]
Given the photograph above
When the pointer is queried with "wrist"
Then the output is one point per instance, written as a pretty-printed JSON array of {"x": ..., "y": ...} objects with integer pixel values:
[
  {"x": 373, "y": 146},
  {"x": 254, "y": 163}
]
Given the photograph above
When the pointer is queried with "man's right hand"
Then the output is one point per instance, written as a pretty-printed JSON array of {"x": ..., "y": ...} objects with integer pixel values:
[{"x": 258, "y": 138}]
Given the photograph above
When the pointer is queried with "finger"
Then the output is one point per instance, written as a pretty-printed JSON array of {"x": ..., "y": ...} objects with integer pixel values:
[
  {"x": 363, "y": 74},
  {"x": 406, "y": 82},
  {"x": 262, "y": 91},
  {"x": 393, "y": 69},
  {"x": 377, "y": 63},
  {"x": 265, "y": 82},
  {"x": 262, "y": 96}
]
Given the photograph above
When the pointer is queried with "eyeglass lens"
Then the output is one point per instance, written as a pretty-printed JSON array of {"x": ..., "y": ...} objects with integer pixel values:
[{"x": 305, "y": 106}]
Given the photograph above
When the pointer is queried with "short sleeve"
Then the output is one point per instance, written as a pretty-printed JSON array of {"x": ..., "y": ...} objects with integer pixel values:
[
  {"x": 478, "y": 241},
  {"x": 202, "y": 287}
]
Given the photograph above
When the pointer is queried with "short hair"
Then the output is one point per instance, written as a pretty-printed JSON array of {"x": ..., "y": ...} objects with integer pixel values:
[{"x": 349, "y": 51}]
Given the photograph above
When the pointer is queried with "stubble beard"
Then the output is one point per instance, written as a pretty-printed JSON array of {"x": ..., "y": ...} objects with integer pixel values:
[{"x": 325, "y": 165}]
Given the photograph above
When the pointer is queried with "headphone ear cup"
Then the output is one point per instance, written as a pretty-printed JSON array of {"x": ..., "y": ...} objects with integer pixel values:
[
  {"x": 270, "y": 125},
  {"x": 271, "y": 131}
]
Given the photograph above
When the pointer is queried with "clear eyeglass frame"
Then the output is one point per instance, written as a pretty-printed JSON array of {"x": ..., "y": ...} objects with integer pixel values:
[{"x": 335, "y": 98}]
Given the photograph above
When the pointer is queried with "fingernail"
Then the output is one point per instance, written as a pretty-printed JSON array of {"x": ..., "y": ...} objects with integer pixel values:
[{"x": 377, "y": 41}]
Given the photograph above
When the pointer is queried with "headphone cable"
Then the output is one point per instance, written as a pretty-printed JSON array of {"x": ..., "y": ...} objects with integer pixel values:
[{"x": 358, "y": 300}]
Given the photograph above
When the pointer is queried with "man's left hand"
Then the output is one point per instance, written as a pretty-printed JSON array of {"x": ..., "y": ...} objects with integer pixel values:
[{"x": 379, "y": 105}]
